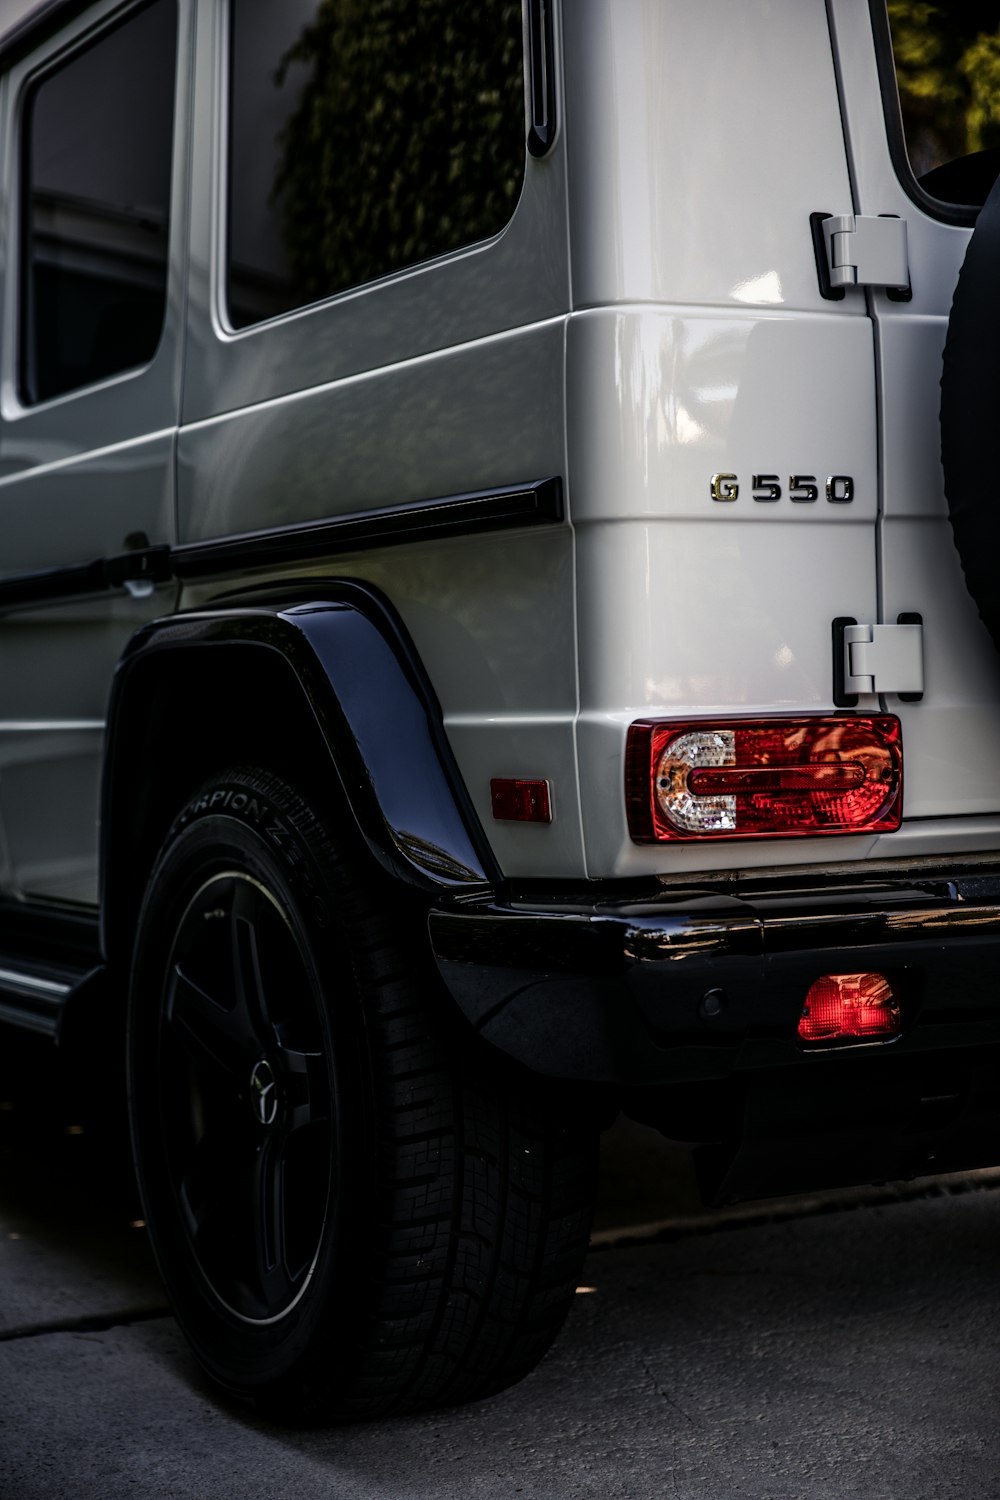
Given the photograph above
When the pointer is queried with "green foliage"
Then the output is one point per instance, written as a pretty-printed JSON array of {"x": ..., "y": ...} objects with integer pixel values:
[
  {"x": 948, "y": 69},
  {"x": 407, "y": 139}
]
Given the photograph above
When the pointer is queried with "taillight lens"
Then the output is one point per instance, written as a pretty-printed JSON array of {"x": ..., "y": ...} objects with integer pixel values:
[
  {"x": 850, "y": 1008},
  {"x": 763, "y": 778}
]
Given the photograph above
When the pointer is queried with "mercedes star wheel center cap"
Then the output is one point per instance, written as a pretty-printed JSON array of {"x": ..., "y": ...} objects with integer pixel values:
[{"x": 264, "y": 1092}]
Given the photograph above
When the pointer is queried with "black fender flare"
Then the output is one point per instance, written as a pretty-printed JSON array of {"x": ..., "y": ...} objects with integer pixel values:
[
  {"x": 322, "y": 676},
  {"x": 970, "y": 411}
]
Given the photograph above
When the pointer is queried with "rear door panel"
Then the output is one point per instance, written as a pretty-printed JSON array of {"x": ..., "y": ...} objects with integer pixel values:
[{"x": 950, "y": 737}]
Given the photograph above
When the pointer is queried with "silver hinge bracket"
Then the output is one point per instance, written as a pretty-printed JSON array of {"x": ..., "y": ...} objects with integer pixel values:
[
  {"x": 863, "y": 250},
  {"x": 857, "y": 250},
  {"x": 882, "y": 659}
]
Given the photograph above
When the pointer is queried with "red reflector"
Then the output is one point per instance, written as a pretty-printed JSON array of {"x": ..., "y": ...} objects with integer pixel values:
[
  {"x": 849, "y": 1007},
  {"x": 520, "y": 801},
  {"x": 763, "y": 778}
]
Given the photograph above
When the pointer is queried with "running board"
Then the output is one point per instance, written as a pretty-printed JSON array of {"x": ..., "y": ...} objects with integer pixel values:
[
  {"x": 33, "y": 1001},
  {"x": 47, "y": 956}
]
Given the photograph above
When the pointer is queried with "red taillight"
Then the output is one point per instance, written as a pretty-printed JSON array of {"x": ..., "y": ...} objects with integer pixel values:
[
  {"x": 763, "y": 778},
  {"x": 849, "y": 1007}
]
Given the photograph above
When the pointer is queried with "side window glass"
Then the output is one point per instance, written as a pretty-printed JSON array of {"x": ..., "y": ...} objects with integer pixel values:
[
  {"x": 947, "y": 61},
  {"x": 98, "y": 132},
  {"x": 365, "y": 138}
]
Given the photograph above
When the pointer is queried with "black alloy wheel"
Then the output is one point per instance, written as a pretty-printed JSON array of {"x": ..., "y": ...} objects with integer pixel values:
[
  {"x": 355, "y": 1210},
  {"x": 246, "y": 1097}
]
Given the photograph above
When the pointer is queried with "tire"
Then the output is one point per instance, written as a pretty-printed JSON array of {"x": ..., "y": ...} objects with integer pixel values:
[
  {"x": 970, "y": 399},
  {"x": 353, "y": 1214}
]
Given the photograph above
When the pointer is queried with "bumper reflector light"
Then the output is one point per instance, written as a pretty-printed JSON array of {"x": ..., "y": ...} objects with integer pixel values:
[
  {"x": 849, "y": 1007},
  {"x": 763, "y": 778},
  {"x": 520, "y": 801}
]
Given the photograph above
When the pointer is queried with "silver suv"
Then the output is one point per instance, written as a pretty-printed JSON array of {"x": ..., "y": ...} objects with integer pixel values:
[{"x": 476, "y": 560}]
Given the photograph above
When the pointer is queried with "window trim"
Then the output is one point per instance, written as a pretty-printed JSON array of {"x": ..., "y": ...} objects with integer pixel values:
[
  {"x": 25, "y": 376},
  {"x": 962, "y": 214}
]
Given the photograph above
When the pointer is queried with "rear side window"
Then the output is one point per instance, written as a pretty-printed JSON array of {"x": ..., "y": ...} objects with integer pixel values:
[
  {"x": 947, "y": 67},
  {"x": 97, "y": 145},
  {"x": 365, "y": 138}
]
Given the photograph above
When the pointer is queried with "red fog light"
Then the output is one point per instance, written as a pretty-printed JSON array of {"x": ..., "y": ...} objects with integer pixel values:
[
  {"x": 849, "y": 1007},
  {"x": 763, "y": 778}
]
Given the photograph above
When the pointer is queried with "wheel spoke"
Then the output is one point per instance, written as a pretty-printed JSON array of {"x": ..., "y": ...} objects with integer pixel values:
[
  {"x": 306, "y": 1088},
  {"x": 267, "y": 1207},
  {"x": 247, "y": 912},
  {"x": 206, "y": 1029},
  {"x": 203, "y": 1187},
  {"x": 196, "y": 1206},
  {"x": 246, "y": 1095}
]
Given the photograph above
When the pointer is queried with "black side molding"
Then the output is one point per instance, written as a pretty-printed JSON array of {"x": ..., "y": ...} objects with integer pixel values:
[
  {"x": 103, "y": 575},
  {"x": 537, "y": 503}
]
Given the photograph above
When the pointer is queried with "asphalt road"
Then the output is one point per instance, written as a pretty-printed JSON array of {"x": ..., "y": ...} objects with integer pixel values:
[{"x": 847, "y": 1345}]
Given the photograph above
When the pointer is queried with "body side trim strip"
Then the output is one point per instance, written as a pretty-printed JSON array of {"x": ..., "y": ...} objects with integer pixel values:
[{"x": 537, "y": 503}]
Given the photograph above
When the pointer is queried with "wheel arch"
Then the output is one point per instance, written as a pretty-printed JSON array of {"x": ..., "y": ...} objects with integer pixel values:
[{"x": 284, "y": 678}]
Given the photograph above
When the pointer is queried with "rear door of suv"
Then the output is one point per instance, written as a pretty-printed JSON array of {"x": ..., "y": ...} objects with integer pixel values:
[{"x": 908, "y": 107}]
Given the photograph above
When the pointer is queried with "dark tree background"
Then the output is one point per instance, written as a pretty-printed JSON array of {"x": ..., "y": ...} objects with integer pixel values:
[
  {"x": 407, "y": 139},
  {"x": 948, "y": 68}
]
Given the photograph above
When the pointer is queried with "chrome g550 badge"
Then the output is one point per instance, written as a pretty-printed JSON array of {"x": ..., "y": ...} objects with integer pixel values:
[{"x": 803, "y": 489}]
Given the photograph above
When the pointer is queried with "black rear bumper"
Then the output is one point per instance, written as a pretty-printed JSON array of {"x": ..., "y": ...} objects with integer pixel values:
[
  {"x": 685, "y": 1005},
  {"x": 613, "y": 989}
]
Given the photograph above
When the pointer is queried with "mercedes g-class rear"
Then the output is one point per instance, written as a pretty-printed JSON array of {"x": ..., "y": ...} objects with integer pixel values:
[{"x": 473, "y": 503}]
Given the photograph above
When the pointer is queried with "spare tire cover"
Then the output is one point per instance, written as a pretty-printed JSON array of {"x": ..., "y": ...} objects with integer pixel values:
[{"x": 970, "y": 414}]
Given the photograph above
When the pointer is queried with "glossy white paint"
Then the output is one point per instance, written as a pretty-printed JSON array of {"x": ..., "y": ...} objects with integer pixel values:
[
  {"x": 687, "y": 605},
  {"x": 651, "y": 317},
  {"x": 702, "y": 134},
  {"x": 492, "y": 617},
  {"x": 709, "y": 349},
  {"x": 506, "y": 677},
  {"x": 434, "y": 425},
  {"x": 536, "y": 747},
  {"x": 659, "y": 399},
  {"x": 707, "y": 619},
  {"x": 938, "y": 838}
]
